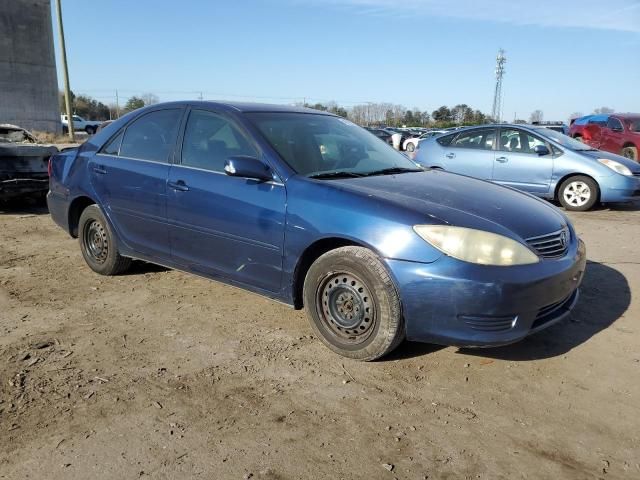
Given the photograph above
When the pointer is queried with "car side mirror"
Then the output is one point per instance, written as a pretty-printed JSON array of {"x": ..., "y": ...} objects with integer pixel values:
[
  {"x": 247, "y": 167},
  {"x": 541, "y": 150}
]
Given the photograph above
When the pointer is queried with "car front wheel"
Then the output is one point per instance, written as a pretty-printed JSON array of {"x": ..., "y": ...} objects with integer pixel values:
[
  {"x": 352, "y": 304},
  {"x": 630, "y": 152},
  {"x": 410, "y": 147},
  {"x": 578, "y": 193},
  {"x": 98, "y": 244}
]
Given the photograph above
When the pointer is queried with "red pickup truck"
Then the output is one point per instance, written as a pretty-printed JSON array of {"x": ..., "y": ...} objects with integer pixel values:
[{"x": 616, "y": 133}]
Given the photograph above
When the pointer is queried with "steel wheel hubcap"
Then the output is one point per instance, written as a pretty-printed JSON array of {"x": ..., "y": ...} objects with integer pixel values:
[
  {"x": 346, "y": 307},
  {"x": 577, "y": 194},
  {"x": 96, "y": 241}
]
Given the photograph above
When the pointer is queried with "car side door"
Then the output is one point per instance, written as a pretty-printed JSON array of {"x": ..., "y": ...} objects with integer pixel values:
[
  {"x": 518, "y": 165},
  {"x": 129, "y": 175},
  {"x": 471, "y": 152},
  {"x": 612, "y": 139},
  {"x": 223, "y": 225}
]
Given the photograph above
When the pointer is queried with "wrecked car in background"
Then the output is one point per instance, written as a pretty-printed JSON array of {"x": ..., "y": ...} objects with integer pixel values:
[{"x": 23, "y": 164}]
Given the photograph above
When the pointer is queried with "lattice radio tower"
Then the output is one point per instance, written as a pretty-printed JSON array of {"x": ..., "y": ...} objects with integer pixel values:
[{"x": 496, "y": 112}]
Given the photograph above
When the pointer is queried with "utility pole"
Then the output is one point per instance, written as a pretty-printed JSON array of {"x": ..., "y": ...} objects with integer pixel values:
[
  {"x": 65, "y": 71},
  {"x": 496, "y": 111},
  {"x": 117, "y": 105}
]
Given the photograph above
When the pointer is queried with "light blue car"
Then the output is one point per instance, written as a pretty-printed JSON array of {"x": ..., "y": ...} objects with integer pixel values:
[{"x": 536, "y": 160}]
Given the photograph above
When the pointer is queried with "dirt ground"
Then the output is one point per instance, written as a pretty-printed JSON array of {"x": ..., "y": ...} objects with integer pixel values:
[{"x": 164, "y": 375}]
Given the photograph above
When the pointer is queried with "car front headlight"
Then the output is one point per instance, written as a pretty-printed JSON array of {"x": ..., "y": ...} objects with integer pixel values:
[
  {"x": 476, "y": 246},
  {"x": 615, "y": 166}
]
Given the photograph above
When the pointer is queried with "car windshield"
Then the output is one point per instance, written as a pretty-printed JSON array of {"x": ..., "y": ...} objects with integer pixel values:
[
  {"x": 324, "y": 146},
  {"x": 563, "y": 140},
  {"x": 634, "y": 124}
]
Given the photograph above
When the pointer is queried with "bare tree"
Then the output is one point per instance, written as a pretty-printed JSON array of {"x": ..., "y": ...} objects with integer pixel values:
[
  {"x": 536, "y": 116},
  {"x": 603, "y": 110},
  {"x": 149, "y": 98}
]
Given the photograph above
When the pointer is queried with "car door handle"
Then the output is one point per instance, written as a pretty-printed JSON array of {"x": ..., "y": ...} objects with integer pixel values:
[
  {"x": 99, "y": 169},
  {"x": 179, "y": 186},
  {"x": 502, "y": 159},
  {"x": 450, "y": 155}
]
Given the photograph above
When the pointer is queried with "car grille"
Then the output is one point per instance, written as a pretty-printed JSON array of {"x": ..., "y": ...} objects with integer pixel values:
[
  {"x": 489, "y": 324},
  {"x": 551, "y": 245},
  {"x": 551, "y": 312}
]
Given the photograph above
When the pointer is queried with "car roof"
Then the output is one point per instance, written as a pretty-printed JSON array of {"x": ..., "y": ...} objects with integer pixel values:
[
  {"x": 626, "y": 115},
  {"x": 243, "y": 107}
]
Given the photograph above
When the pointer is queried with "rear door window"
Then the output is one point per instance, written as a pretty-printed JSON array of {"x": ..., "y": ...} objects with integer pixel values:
[
  {"x": 481, "y": 139},
  {"x": 152, "y": 137}
]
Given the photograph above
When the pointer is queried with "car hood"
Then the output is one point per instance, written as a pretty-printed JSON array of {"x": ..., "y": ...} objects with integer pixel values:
[
  {"x": 441, "y": 197},
  {"x": 596, "y": 154}
]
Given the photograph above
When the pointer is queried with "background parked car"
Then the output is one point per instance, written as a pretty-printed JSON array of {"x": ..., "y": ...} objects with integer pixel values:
[
  {"x": 411, "y": 144},
  {"x": 399, "y": 136},
  {"x": 383, "y": 135},
  {"x": 23, "y": 164},
  {"x": 537, "y": 160},
  {"x": 616, "y": 133},
  {"x": 79, "y": 123},
  {"x": 560, "y": 127}
]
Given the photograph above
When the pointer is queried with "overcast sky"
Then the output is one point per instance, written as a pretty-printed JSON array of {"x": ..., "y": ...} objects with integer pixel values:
[{"x": 564, "y": 56}]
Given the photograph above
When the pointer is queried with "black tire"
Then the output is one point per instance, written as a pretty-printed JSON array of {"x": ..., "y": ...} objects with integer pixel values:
[
  {"x": 98, "y": 244},
  {"x": 578, "y": 193},
  {"x": 578, "y": 138},
  {"x": 630, "y": 152},
  {"x": 90, "y": 130},
  {"x": 65, "y": 130},
  {"x": 410, "y": 147},
  {"x": 353, "y": 305}
]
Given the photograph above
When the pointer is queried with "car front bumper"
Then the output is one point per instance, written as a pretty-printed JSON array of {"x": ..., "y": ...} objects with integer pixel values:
[
  {"x": 450, "y": 302},
  {"x": 619, "y": 188}
]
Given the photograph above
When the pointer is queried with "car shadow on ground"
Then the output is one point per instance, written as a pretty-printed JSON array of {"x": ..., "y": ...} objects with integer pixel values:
[
  {"x": 24, "y": 207},
  {"x": 140, "y": 267},
  {"x": 604, "y": 297},
  {"x": 619, "y": 207}
]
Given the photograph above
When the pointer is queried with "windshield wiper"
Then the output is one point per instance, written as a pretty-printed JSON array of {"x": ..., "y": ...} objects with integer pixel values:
[
  {"x": 393, "y": 170},
  {"x": 324, "y": 175}
]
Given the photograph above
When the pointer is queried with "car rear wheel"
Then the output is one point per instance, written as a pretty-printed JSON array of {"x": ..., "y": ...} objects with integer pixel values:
[
  {"x": 578, "y": 193},
  {"x": 352, "y": 304},
  {"x": 98, "y": 244},
  {"x": 410, "y": 147},
  {"x": 630, "y": 152}
]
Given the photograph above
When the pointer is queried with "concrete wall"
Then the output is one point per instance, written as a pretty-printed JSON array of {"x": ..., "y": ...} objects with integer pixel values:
[{"x": 28, "y": 79}]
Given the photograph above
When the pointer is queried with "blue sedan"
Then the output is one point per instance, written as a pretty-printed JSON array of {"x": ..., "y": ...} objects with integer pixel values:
[
  {"x": 311, "y": 210},
  {"x": 537, "y": 160}
]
